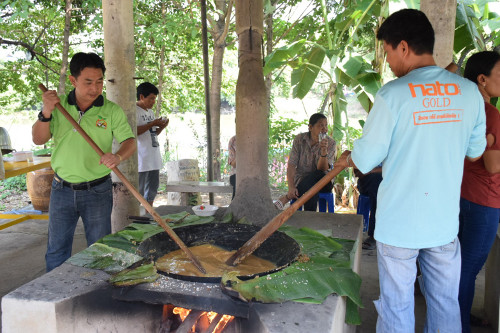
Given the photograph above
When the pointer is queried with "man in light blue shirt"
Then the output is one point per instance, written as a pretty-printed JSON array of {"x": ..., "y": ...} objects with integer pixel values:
[{"x": 421, "y": 128}]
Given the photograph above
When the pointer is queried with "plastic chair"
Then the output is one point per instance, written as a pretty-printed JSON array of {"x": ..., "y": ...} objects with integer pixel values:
[
  {"x": 364, "y": 209},
  {"x": 323, "y": 200}
]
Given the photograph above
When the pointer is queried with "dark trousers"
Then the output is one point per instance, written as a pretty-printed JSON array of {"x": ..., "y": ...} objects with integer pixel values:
[
  {"x": 307, "y": 182},
  {"x": 232, "y": 181},
  {"x": 368, "y": 185}
]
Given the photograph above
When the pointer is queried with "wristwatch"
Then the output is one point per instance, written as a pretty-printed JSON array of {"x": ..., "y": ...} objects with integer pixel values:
[{"x": 42, "y": 118}]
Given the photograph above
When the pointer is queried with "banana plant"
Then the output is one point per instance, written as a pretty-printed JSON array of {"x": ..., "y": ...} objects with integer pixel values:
[
  {"x": 477, "y": 28},
  {"x": 337, "y": 64}
]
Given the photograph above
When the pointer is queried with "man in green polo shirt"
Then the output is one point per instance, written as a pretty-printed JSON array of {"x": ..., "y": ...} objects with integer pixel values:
[{"x": 82, "y": 185}]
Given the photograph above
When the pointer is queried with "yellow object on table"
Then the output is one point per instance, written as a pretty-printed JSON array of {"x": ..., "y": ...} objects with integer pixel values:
[{"x": 18, "y": 168}]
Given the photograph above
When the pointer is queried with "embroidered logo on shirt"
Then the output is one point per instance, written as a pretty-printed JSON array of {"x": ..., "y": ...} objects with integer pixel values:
[{"x": 101, "y": 122}]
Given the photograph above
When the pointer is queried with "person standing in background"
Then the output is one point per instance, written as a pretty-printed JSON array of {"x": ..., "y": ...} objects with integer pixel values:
[
  {"x": 82, "y": 184},
  {"x": 148, "y": 147},
  {"x": 480, "y": 197},
  {"x": 231, "y": 160}
]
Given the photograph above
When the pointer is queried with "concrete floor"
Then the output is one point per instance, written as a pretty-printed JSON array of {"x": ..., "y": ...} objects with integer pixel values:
[{"x": 22, "y": 251}]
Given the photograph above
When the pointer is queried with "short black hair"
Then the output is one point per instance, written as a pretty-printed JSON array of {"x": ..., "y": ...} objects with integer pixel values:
[
  {"x": 480, "y": 63},
  {"x": 82, "y": 60},
  {"x": 315, "y": 118},
  {"x": 410, "y": 25},
  {"x": 145, "y": 89}
]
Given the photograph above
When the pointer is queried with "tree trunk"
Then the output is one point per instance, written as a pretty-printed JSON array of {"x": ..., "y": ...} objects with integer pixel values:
[
  {"x": 61, "y": 90},
  {"x": 219, "y": 35},
  {"x": 269, "y": 50},
  {"x": 253, "y": 197},
  {"x": 120, "y": 88},
  {"x": 162, "y": 67},
  {"x": 442, "y": 16}
]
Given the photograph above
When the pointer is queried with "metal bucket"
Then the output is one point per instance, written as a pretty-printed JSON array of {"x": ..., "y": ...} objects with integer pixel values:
[{"x": 279, "y": 248}]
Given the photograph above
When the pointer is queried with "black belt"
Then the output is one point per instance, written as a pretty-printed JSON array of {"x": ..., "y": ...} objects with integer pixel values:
[{"x": 84, "y": 185}]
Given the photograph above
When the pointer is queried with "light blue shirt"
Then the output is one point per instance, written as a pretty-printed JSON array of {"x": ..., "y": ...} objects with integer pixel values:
[{"x": 421, "y": 127}]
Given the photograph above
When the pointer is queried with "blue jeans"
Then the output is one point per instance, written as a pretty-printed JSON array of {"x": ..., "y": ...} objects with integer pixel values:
[
  {"x": 66, "y": 207},
  {"x": 397, "y": 271},
  {"x": 149, "y": 181},
  {"x": 478, "y": 228}
]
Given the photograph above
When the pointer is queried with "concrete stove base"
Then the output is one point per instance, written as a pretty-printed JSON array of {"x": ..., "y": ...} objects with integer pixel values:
[{"x": 75, "y": 299}]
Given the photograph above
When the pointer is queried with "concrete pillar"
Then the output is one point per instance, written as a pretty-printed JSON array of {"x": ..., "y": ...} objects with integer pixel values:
[
  {"x": 119, "y": 58},
  {"x": 442, "y": 16}
]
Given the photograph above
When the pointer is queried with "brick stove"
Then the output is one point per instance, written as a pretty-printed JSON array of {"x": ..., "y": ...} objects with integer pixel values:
[{"x": 76, "y": 299}]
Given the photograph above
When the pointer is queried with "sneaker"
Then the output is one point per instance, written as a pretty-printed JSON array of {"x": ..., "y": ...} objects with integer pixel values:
[{"x": 370, "y": 243}]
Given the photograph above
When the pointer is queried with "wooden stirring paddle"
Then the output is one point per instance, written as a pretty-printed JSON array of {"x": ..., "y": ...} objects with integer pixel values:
[
  {"x": 253, "y": 243},
  {"x": 131, "y": 187}
]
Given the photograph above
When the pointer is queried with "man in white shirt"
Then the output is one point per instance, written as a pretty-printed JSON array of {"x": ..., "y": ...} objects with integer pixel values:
[{"x": 148, "y": 148}]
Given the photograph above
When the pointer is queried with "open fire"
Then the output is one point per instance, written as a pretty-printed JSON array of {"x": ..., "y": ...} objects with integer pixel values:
[{"x": 181, "y": 320}]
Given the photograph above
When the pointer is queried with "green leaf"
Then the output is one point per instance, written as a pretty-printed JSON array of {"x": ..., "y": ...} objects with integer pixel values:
[
  {"x": 103, "y": 257},
  {"x": 298, "y": 282},
  {"x": 303, "y": 77},
  {"x": 352, "y": 316},
  {"x": 194, "y": 220},
  {"x": 175, "y": 217},
  {"x": 282, "y": 55},
  {"x": 352, "y": 66},
  {"x": 116, "y": 241},
  {"x": 365, "y": 101},
  {"x": 129, "y": 277},
  {"x": 312, "y": 242}
]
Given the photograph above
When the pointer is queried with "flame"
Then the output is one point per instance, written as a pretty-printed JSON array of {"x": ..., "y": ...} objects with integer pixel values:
[
  {"x": 223, "y": 321},
  {"x": 183, "y": 313},
  {"x": 226, "y": 319}
]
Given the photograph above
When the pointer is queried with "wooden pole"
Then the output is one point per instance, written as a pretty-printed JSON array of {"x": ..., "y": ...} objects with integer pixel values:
[{"x": 260, "y": 237}]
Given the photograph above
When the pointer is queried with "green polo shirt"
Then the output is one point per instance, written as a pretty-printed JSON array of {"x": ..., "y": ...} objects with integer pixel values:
[{"x": 73, "y": 159}]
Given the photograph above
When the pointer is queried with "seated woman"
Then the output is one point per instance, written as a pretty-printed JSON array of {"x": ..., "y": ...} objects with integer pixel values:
[
  {"x": 310, "y": 159},
  {"x": 480, "y": 197}
]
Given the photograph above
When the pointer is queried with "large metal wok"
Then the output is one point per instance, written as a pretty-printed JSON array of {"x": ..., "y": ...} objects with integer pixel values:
[{"x": 279, "y": 248}]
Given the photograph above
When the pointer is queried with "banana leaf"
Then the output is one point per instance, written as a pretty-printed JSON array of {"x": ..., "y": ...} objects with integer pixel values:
[
  {"x": 129, "y": 277},
  {"x": 117, "y": 241},
  {"x": 129, "y": 238},
  {"x": 193, "y": 220},
  {"x": 103, "y": 257},
  {"x": 175, "y": 217},
  {"x": 327, "y": 271},
  {"x": 311, "y": 241},
  {"x": 299, "y": 281},
  {"x": 304, "y": 76}
]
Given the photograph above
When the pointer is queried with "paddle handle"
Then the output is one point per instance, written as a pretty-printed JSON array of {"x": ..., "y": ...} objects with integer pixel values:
[
  {"x": 253, "y": 243},
  {"x": 130, "y": 187}
]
